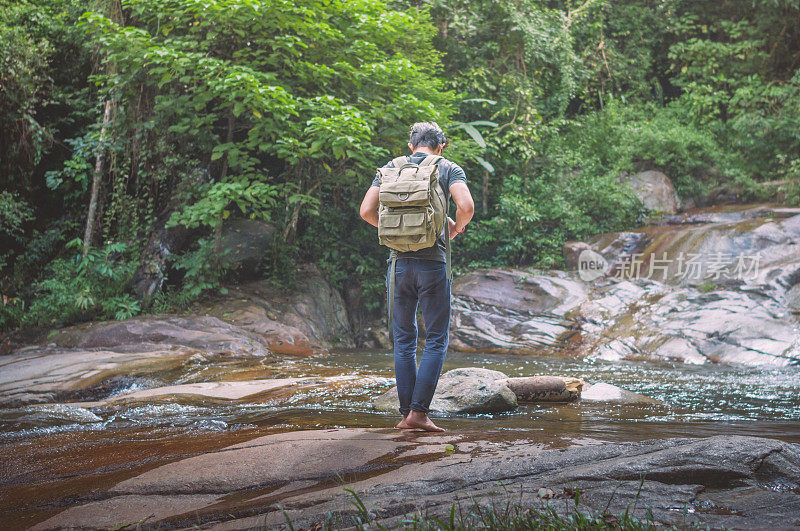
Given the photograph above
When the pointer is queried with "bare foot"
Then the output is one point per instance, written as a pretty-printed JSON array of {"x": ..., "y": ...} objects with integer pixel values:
[
  {"x": 417, "y": 419},
  {"x": 402, "y": 424}
]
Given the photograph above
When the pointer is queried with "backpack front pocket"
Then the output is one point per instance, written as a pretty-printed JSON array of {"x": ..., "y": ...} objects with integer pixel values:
[
  {"x": 411, "y": 224},
  {"x": 404, "y": 193}
]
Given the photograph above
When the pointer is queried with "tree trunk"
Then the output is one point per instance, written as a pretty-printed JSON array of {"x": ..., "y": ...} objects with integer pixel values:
[
  {"x": 98, "y": 176},
  {"x": 485, "y": 199},
  {"x": 151, "y": 273},
  {"x": 223, "y": 174},
  {"x": 290, "y": 231}
]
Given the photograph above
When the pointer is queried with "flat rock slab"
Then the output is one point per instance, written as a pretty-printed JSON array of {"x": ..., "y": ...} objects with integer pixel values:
[
  {"x": 219, "y": 390},
  {"x": 123, "y": 511},
  {"x": 751, "y": 481},
  {"x": 82, "y": 356},
  {"x": 520, "y": 291},
  {"x": 207, "y": 334},
  {"x": 38, "y": 375},
  {"x": 235, "y": 390},
  {"x": 271, "y": 461}
]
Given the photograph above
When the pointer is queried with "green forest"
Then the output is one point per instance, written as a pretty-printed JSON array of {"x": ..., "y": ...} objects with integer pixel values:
[{"x": 133, "y": 132}]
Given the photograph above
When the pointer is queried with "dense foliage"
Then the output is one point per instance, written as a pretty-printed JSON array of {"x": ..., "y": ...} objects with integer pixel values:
[{"x": 279, "y": 111}]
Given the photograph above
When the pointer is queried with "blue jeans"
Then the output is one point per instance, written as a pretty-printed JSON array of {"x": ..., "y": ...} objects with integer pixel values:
[{"x": 422, "y": 282}]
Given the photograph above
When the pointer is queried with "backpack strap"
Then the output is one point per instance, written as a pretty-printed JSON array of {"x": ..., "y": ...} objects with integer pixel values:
[
  {"x": 430, "y": 159},
  {"x": 390, "y": 298},
  {"x": 448, "y": 263},
  {"x": 397, "y": 162}
]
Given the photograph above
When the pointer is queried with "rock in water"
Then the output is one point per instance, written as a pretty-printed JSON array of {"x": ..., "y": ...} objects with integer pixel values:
[
  {"x": 603, "y": 392},
  {"x": 545, "y": 388},
  {"x": 466, "y": 390}
]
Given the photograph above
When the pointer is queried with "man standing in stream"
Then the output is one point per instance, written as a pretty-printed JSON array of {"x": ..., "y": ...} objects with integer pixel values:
[{"x": 408, "y": 203}]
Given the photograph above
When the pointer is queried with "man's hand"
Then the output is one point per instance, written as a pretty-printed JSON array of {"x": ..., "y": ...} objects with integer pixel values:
[
  {"x": 453, "y": 228},
  {"x": 465, "y": 206}
]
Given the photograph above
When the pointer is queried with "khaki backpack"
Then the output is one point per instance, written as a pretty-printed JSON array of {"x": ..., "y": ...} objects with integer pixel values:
[{"x": 412, "y": 211}]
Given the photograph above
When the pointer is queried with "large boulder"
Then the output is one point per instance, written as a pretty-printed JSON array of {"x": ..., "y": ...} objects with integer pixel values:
[
  {"x": 307, "y": 318},
  {"x": 512, "y": 311},
  {"x": 533, "y": 293},
  {"x": 655, "y": 191},
  {"x": 246, "y": 243},
  {"x": 468, "y": 390}
]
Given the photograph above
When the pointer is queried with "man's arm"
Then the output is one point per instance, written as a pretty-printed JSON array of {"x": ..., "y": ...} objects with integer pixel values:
[
  {"x": 369, "y": 206},
  {"x": 465, "y": 207}
]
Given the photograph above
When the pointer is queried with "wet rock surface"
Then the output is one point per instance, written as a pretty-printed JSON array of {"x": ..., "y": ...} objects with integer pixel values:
[
  {"x": 206, "y": 334},
  {"x": 40, "y": 375},
  {"x": 723, "y": 288},
  {"x": 732, "y": 481},
  {"x": 513, "y": 311}
]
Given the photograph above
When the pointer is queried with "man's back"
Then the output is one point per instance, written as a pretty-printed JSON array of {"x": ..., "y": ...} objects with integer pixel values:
[{"x": 449, "y": 173}]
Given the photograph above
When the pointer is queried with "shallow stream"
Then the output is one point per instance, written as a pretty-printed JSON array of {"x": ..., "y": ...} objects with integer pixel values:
[{"x": 51, "y": 459}]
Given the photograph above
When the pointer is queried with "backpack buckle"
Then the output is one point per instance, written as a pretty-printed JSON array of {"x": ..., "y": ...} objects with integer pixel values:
[{"x": 402, "y": 196}]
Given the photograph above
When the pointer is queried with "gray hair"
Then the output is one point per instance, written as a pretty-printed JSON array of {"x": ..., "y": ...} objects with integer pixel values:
[{"x": 427, "y": 134}]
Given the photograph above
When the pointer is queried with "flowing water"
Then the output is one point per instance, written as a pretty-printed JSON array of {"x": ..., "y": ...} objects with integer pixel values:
[{"x": 697, "y": 399}]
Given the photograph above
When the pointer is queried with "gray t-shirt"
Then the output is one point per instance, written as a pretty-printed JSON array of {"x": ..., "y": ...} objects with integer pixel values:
[{"x": 449, "y": 172}]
